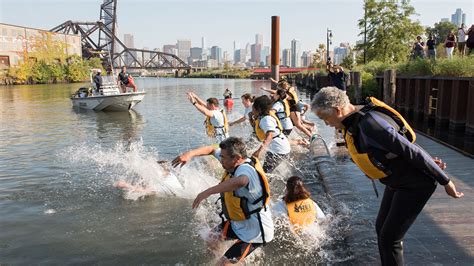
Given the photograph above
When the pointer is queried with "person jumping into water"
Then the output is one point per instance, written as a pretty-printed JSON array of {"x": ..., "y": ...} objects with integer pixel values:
[
  {"x": 244, "y": 189},
  {"x": 216, "y": 122}
]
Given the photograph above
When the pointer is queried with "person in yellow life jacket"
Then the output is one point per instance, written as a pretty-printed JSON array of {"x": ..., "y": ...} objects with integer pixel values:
[
  {"x": 216, "y": 122},
  {"x": 295, "y": 106},
  {"x": 282, "y": 110},
  {"x": 382, "y": 144},
  {"x": 297, "y": 205},
  {"x": 244, "y": 194},
  {"x": 270, "y": 132}
]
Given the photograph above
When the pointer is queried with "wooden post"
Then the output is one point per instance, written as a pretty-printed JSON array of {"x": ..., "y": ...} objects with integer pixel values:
[
  {"x": 357, "y": 82},
  {"x": 470, "y": 110},
  {"x": 389, "y": 87},
  {"x": 443, "y": 107},
  {"x": 420, "y": 99}
]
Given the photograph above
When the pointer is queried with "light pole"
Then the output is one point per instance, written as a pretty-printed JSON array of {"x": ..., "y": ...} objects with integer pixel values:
[
  {"x": 329, "y": 42},
  {"x": 365, "y": 32}
]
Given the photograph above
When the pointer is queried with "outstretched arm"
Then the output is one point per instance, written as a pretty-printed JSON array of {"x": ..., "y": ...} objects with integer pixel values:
[
  {"x": 240, "y": 120},
  {"x": 231, "y": 184},
  {"x": 199, "y": 104},
  {"x": 187, "y": 156}
]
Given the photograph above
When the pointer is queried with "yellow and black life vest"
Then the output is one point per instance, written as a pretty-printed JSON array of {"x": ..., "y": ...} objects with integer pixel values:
[
  {"x": 292, "y": 92},
  {"x": 302, "y": 212},
  {"x": 371, "y": 167},
  {"x": 260, "y": 133},
  {"x": 236, "y": 208},
  {"x": 211, "y": 129},
  {"x": 286, "y": 110}
]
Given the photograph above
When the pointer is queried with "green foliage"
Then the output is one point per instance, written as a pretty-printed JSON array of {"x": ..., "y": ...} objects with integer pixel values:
[
  {"x": 375, "y": 67},
  {"x": 222, "y": 73},
  {"x": 441, "y": 31},
  {"x": 369, "y": 85},
  {"x": 455, "y": 67},
  {"x": 348, "y": 61},
  {"x": 390, "y": 30}
]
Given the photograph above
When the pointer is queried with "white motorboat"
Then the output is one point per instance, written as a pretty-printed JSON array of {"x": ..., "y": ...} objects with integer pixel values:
[{"x": 107, "y": 98}]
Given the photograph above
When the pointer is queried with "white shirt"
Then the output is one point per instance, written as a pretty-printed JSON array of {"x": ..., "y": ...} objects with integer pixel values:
[
  {"x": 217, "y": 120},
  {"x": 285, "y": 121},
  {"x": 280, "y": 144},
  {"x": 280, "y": 209},
  {"x": 249, "y": 230},
  {"x": 461, "y": 35}
]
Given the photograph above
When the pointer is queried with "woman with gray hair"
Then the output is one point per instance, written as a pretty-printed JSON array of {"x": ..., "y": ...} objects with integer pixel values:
[{"x": 381, "y": 144}]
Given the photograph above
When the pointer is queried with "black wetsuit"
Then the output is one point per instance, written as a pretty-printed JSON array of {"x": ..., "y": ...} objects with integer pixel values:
[{"x": 412, "y": 175}]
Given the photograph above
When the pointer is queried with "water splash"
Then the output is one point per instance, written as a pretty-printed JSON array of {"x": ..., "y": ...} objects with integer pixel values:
[{"x": 135, "y": 169}]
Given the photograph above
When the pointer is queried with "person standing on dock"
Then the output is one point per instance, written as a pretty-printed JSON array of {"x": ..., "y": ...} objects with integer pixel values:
[{"x": 382, "y": 145}]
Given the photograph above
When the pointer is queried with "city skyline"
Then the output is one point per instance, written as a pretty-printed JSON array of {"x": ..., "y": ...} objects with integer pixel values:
[{"x": 239, "y": 23}]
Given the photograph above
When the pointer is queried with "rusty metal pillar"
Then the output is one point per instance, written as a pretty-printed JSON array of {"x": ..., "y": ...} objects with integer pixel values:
[
  {"x": 275, "y": 60},
  {"x": 443, "y": 107},
  {"x": 470, "y": 110},
  {"x": 459, "y": 97}
]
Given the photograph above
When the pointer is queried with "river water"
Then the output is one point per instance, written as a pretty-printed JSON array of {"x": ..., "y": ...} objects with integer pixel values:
[{"x": 58, "y": 167}]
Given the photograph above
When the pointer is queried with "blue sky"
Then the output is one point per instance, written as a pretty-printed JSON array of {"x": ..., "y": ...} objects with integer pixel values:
[{"x": 159, "y": 22}]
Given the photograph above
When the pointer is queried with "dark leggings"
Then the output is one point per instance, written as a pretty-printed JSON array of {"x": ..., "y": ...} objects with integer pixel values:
[{"x": 398, "y": 211}]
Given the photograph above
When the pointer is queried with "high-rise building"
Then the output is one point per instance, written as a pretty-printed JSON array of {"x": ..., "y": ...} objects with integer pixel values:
[
  {"x": 195, "y": 53},
  {"x": 255, "y": 50},
  {"x": 129, "y": 43},
  {"x": 263, "y": 55},
  {"x": 259, "y": 39},
  {"x": 239, "y": 56},
  {"x": 286, "y": 57},
  {"x": 170, "y": 49},
  {"x": 203, "y": 48},
  {"x": 184, "y": 49},
  {"x": 341, "y": 52},
  {"x": 295, "y": 53},
  {"x": 444, "y": 20},
  {"x": 307, "y": 59},
  {"x": 458, "y": 17},
  {"x": 216, "y": 54}
]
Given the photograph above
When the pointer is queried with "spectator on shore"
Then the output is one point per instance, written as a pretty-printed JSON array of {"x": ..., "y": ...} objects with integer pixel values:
[
  {"x": 337, "y": 75},
  {"x": 462, "y": 40},
  {"x": 450, "y": 43},
  {"x": 470, "y": 40},
  {"x": 419, "y": 48},
  {"x": 431, "y": 45}
]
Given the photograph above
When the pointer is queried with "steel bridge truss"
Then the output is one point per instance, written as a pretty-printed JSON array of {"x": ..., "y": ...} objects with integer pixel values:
[{"x": 121, "y": 55}]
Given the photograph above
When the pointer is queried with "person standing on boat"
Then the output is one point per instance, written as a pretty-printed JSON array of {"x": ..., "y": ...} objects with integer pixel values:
[
  {"x": 382, "y": 144},
  {"x": 98, "y": 80},
  {"x": 125, "y": 81},
  {"x": 216, "y": 122}
]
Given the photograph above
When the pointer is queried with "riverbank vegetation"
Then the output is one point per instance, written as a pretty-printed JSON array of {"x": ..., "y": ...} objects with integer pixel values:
[
  {"x": 222, "y": 73},
  {"x": 47, "y": 62}
]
